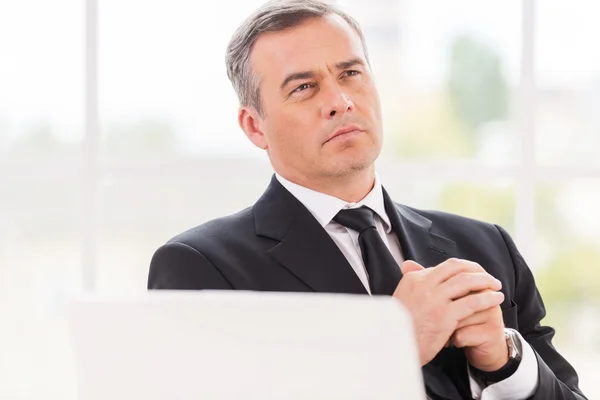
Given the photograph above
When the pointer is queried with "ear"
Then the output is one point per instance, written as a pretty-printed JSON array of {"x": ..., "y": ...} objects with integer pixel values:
[{"x": 251, "y": 124}]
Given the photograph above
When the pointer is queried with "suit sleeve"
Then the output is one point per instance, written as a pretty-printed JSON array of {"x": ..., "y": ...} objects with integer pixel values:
[
  {"x": 557, "y": 378},
  {"x": 179, "y": 266}
]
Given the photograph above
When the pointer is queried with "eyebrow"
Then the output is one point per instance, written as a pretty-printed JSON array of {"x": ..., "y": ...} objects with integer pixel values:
[
  {"x": 311, "y": 74},
  {"x": 297, "y": 76},
  {"x": 350, "y": 63}
]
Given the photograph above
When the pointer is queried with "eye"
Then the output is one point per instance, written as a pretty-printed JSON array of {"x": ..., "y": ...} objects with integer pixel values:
[
  {"x": 351, "y": 72},
  {"x": 302, "y": 87}
]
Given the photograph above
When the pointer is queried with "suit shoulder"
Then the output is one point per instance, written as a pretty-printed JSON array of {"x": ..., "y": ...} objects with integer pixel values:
[
  {"x": 457, "y": 224},
  {"x": 217, "y": 231}
]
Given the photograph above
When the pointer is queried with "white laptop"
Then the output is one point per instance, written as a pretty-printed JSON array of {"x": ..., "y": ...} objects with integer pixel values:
[{"x": 180, "y": 345}]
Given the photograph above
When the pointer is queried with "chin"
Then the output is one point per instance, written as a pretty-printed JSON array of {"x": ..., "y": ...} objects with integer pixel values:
[{"x": 351, "y": 165}]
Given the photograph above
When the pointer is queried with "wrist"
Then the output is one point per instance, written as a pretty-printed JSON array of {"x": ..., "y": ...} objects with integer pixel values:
[
  {"x": 513, "y": 360},
  {"x": 489, "y": 358},
  {"x": 492, "y": 365}
]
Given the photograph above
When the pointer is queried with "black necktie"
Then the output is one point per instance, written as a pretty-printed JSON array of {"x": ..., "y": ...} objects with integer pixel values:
[{"x": 384, "y": 272}]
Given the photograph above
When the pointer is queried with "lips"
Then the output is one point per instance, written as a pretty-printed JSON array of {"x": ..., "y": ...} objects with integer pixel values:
[{"x": 343, "y": 130}]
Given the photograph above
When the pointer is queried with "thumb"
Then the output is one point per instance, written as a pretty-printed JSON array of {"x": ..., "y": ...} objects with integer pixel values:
[{"x": 410, "y": 266}]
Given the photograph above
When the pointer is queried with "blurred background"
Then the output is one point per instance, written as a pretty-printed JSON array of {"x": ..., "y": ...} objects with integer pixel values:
[{"x": 118, "y": 130}]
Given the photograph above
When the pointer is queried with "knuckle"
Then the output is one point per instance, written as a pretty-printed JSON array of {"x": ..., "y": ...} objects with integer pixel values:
[
  {"x": 453, "y": 263},
  {"x": 459, "y": 337},
  {"x": 413, "y": 281},
  {"x": 428, "y": 294},
  {"x": 478, "y": 267},
  {"x": 488, "y": 299},
  {"x": 453, "y": 323},
  {"x": 473, "y": 302},
  {"x": 467, "y": 279},
  {"x": 491, "y": 278}
]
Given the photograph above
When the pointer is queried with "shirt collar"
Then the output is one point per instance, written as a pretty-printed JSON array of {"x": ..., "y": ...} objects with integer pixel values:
[{"x": 324, "y": 207}]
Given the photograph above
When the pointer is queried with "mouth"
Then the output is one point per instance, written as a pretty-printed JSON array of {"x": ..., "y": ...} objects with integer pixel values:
[{"x": 344, "y": 131}]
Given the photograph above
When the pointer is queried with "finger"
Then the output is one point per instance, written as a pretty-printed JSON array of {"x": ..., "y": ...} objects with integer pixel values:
[
  {"x": 471, "y": 336},
  {"x": 480, "y": 317},
  {"x": 451, "y": 267},
  {"x": 473, "y": 303},
  {"x": 466, "y": 282},
  {"x": 410, "y": 266}
]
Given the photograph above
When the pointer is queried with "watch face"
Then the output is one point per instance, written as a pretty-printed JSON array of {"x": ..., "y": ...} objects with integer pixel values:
[{"x": 514, "y": 345}]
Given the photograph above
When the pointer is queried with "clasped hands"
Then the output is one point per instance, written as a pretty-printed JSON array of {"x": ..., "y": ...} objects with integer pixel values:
[{"x": 458, "y": 302}]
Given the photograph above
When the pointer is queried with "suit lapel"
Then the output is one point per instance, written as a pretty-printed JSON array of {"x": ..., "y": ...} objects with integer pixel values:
[
  {"x": 417, "y": 241},
  {"x": 305, "y": 249}
]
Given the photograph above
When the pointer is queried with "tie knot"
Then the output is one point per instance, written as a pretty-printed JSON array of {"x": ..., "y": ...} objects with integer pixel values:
[{"x": 358, "y": 219}]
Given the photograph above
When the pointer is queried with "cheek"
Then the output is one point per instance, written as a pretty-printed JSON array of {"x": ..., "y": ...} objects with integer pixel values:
[
  {"x": 299, "y": 130},
  {"x": 373, "y": 100},
  {"x": 289, "y": 137}
]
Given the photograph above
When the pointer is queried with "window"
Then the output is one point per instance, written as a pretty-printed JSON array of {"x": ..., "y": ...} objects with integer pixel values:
[{"x": 118, "y": 130}]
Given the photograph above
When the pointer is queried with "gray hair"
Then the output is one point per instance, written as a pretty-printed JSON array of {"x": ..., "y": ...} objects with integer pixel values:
[{"x": 274, "y": 16}]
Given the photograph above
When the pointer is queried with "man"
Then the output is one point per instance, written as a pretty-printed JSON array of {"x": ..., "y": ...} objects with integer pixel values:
[{"x": 325, "y": 224}]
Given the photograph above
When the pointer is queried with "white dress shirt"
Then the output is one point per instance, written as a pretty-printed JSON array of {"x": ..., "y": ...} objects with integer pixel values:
[
  {"x": 521, "y": 385},
  {"x": 324, "y": 207}
]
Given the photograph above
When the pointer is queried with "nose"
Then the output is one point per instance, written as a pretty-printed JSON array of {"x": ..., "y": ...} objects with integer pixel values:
[{"x": 336, "y": 103}]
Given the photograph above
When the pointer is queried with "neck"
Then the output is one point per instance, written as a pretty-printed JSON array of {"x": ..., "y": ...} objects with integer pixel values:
[{"x": 351, "y": 188}]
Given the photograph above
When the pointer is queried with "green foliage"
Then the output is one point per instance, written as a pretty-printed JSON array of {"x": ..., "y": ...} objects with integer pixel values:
[
  {"x": 573, "y": 272},
  {"x": 570, "y": 280},
  {"x": 476, "y": 84},
  {"x": 442, "y": 125},
  {"x": 432, "y": 131},
  {"x": 572, "y": 275},
  {"x": 494, "y": 204}
]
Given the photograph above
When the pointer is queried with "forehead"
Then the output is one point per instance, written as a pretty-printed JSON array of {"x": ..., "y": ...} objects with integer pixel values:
[{"x": 315, "y": 44}]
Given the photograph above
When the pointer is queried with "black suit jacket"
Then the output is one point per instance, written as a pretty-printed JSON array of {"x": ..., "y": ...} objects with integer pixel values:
[{"x": 277, "y": 245}]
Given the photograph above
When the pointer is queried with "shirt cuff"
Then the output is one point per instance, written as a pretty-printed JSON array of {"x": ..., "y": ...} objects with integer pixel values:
[{"x": 520, "y": 385}]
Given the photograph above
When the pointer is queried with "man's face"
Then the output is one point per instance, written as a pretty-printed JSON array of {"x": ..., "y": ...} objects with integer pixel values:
[{"x": 315, "y": 84}]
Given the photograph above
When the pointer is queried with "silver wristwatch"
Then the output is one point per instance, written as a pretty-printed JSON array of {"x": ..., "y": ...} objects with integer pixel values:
[{"x": 515, "y": 350}]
